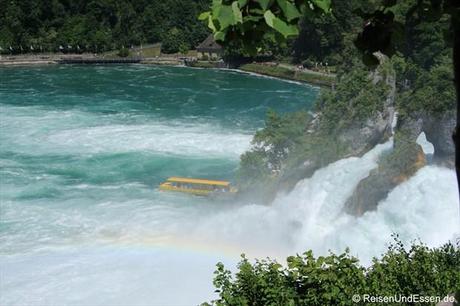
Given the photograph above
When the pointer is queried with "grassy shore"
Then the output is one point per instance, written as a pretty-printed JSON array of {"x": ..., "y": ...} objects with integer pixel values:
[{"x": 290, "y": 74}]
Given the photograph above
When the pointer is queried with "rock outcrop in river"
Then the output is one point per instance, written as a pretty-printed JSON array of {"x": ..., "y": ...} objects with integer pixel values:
[
  {"x": 350, "y": 120},
  {"x": 406, "y": 158},
  {"x": 352, "y": 134}
]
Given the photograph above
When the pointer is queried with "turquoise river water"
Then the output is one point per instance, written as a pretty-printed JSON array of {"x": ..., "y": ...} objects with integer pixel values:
[{"x": 82, "y": 149}]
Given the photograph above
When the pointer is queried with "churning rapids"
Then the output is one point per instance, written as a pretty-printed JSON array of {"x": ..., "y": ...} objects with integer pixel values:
[{"x": 82, "y": 149}]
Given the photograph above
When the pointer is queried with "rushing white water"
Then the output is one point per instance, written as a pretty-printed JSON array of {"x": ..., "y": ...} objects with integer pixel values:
[
  {"x": 82, "y": 224},
  {"x": 112, "y": 133},
  {"x": 312, "y": 217},
  {"x": 175, "y": 267}
]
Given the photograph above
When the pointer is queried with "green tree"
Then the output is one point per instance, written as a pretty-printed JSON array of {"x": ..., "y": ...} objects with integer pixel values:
[
  {"x": 249, "y": 22},
  {"x": 335, "y": 279},
  {"x": 97, "y": 25},
  {"x": 431, "y": 91},
  {"x": 321, "y": 35},
  {"x": 12, "y": 32},
  {"x": 272, "y": 146},
  {"x": 174, "y": 41}
]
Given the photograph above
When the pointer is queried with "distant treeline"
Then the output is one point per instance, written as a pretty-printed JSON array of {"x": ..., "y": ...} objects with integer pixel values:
[{"x": 99, "y": 25}]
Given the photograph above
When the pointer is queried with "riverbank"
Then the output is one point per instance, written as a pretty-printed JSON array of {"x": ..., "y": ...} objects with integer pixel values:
[
  {"x": 207, "y": 64},
  {"x": 42, "y": 59},
  {"x": 278, "y": 70},
  {"x": 285, "y": 72},
  {"x": 52, "y": 58}
]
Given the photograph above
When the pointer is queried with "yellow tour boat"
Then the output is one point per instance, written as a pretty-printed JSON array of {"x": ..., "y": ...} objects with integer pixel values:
[{"x": 197, "y": 186}]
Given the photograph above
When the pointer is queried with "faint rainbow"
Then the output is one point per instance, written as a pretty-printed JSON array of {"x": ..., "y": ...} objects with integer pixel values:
[{"x": 187, "y": 244}]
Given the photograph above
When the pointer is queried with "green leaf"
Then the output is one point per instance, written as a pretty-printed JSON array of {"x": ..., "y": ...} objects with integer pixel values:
[
  {"x": 215, "y": 8},
  {"x": 237, "y": 15},
  {"x": 269, "y": 17},
  {"x": 280, "y": 26},
  {"x": 219, "y": 36},
  {"x": 226, "y": 17},
  {"x": 252, "y": 18},
  {"x": 256, "y": 11},
  {"x": 289, "y": 10},
  {"x": 211, "y": 24},
  {"x": 324, "y": 5},
  {"x": 264, "y": 4},
  {"x": 204, "y": 15},
  {"x": 242, "y": 3}
]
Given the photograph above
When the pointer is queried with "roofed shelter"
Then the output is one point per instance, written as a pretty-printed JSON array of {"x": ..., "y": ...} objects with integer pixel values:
[{"x": 209, "y": 48}]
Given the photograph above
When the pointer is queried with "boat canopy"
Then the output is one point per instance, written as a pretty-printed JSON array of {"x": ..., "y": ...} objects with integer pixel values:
[{"x": 197, "y": 181}]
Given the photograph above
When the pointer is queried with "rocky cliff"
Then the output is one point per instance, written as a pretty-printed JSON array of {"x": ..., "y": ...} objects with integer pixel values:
[
  {"x": 407, "y": 157},
  {"x": 350, "y": 133},
  {"x": 349, "y": 121}
]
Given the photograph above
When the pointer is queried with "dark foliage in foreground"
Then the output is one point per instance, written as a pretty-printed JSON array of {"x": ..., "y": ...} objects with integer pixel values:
[{"x": 334, "y": 279}]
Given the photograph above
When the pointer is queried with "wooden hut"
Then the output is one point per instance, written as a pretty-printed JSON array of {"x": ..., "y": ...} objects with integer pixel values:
[{"x": 209, "y": 49}]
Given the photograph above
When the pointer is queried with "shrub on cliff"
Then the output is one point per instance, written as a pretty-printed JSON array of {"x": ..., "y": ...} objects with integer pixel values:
[
  {"x": 338, "y": 279},
  {"x": 431, "y": 90},
  {"x": 356, "y": 98},
  {"x": 271, "y": 146},
  {"x": 288, "y": 141}
]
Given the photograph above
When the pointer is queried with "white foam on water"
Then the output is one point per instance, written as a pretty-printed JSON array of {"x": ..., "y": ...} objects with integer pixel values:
[
  {"x": 92, "y": 275},
  {"x": 427, "y": 146},
  {"x": 312, "y": 215},
  {"x": 424, "y": 208},
  {"x": 136, "y": 246},
  {"x": 67, "y": 132},
  {"x": 414, "y": 210},
  {"x": 297, "y": 219},
  {"x": 143, "y": 252},
  {"x": 192, "y": 140}
]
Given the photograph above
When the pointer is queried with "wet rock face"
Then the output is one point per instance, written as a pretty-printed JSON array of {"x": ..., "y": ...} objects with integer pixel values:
[
  {"x": 361, "y": 137},
  {"x": 410, "y": 128},
  {"x": 405, "y": 160},
  {"x": 369, "y": 192},
  {"x": 438, "y": 131},
  {"x": 375, "y": 187}
]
